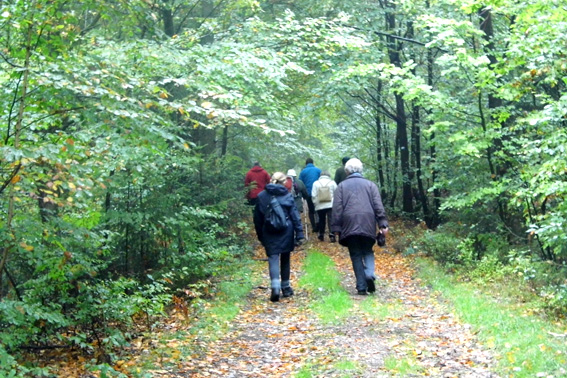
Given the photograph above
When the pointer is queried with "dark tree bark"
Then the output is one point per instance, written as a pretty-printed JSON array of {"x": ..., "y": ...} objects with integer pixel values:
[
  {"x": 421, "y": 194},
  {"x": 205, "y": 138},
  {"x": 224, "y": 145},
  {"x": 435, "y": 220},
  {"x": 394, "y": 50},
  {"x": 496, "y": 170},
  {"x": 379, "y": 143}
]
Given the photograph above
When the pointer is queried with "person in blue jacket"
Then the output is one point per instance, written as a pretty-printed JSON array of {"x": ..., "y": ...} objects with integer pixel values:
[
  {"x": 278, "y": 244},
  {"x": 309, "y": 175}
]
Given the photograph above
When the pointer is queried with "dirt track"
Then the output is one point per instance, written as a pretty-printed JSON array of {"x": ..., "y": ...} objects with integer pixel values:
[{"x": 416, "y": 336}]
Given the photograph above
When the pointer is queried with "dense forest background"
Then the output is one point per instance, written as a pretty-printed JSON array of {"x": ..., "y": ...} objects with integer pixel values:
[{"x": 126, "y": 128}]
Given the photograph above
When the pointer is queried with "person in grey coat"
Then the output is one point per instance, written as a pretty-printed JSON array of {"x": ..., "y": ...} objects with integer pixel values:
[
  {"x": 297, "y": 189},
  {"x": 357, "y": 210},
  {"x": 279, "y": 244}
]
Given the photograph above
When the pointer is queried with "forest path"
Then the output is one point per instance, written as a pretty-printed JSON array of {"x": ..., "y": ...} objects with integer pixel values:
[{"x": 402, "y": 330}]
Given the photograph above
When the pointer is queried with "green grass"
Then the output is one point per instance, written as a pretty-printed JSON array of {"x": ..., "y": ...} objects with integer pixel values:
[
  {"x": 304, "y": 372},
  {"x": 519, "y": 339},
  {"x": 333, "y": 308},
  {"x": 333, "y": 303},
  {"x": 320, "y": 273},
  {"x": 381, "y": 311},
  {"x": 401, "y": 366},
  {"x": 341, "y": 369},
  {"x": 349, "y": 368}
]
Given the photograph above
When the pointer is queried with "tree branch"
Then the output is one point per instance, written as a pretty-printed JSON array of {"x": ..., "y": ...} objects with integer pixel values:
[
  {"x": 392, "y": 36},
  {"x": 9, "y": 61}
]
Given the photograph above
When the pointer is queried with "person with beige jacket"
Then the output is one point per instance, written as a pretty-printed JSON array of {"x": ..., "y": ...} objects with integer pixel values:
[{"x": 322, "y": 194}]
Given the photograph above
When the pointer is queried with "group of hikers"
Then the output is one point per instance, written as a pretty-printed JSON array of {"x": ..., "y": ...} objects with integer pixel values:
[{"x": 349, "y": 207}]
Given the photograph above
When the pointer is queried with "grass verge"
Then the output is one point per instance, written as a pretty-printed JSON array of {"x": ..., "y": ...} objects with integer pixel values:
[
  {"x": 332, "y": 302},
  {"x": 525, "y": 345}
]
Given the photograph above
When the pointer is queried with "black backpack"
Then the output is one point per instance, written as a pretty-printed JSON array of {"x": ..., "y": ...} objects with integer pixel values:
[{"x": 275, "y": 219}]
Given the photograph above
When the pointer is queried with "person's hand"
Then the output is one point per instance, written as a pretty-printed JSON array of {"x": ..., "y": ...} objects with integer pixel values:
[
  {"x": 384, "y": 230},
  {"x": 299, "y": 241}
]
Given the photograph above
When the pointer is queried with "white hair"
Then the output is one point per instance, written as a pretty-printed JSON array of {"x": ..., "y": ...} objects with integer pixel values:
[{"x": 353, "y": 166}]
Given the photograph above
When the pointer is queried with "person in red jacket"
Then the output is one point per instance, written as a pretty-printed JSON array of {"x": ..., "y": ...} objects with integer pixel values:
[{"x": 255, "y": 181}]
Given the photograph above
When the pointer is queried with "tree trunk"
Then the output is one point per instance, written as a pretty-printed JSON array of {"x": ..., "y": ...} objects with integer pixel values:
[
  {"x": 224, "y": 140},
  {"x": 205, "y": 138},
  {"x": 401, "y": 119},
  {"x": 380, "y": 156},
  {"x": 167, "y": 16},
  {"x": 434, "y": 220},
  {"x": 421, "y": 194},
  {"x": 416, "y": 149},
  {"x": 496, "y": 170}
]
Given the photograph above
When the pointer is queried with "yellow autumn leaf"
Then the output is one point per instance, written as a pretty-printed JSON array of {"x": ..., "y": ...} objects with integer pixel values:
[
  {"x": 71, "y": 186},
  {"x": 207, "y": 104},
  {"x": 27, "y": 247},
  {"x": 16, "y": 179}
]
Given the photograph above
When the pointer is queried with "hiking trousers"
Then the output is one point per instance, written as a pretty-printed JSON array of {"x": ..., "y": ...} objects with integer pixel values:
[
  {"x": 312, "y": 213},
  {"x": 362, "y": 258},
  {"x": 324, "y": 220},
  {"x": 279, "y": 266}
]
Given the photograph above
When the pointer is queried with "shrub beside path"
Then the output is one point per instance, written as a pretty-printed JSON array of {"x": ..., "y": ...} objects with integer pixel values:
[{"x": 409, "y": 332}]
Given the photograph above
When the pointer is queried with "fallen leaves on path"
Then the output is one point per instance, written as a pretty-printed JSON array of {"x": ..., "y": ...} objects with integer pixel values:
[{"x": 420, "y": 337}]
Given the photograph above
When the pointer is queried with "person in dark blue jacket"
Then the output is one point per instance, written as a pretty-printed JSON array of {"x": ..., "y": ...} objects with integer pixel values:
[
  {"x": 309, "y": 175},
  {"x": 279, "y": 244}
]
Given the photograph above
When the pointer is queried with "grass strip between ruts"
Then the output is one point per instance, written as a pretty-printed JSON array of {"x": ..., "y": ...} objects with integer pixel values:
[{"x": 324, "y": 282}]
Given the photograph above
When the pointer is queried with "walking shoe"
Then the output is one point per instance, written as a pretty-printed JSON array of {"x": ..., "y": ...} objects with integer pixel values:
[
  {"x": 362, "y": 292},
  {"x": 287, "y": 292},
  {"x": 370, "y": 284},
  {"x": 332, "y": 238},
  {"x": 275, "y": 296},
  {"x": 321, "y": 237}
]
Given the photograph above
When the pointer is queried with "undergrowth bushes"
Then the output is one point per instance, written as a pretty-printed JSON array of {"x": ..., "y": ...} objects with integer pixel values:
[
  {"x": 89, "y": 278},
  {"x": 484, "y": 257}
]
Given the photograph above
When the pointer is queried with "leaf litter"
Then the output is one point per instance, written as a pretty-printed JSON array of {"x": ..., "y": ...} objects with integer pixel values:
[{"x": 419, "y": 337}]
